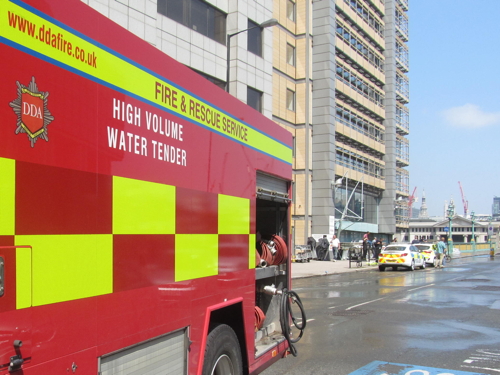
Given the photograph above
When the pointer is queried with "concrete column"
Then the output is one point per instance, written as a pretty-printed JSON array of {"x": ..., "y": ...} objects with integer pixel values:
[
  {"x": 387, "y": 219},
  {"x": 323, "y": 114}
]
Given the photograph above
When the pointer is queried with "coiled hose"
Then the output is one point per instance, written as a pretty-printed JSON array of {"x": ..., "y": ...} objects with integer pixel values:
[
  {"x": 272, "y": 250},
  {"x": 259, "y": 318},
  {"x": 288, "y": 297}
]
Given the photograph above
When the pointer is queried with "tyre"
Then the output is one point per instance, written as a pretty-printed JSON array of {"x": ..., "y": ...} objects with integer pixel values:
[
  {"x": 412, "y": 267},
  {"x": 434, "y": 262},
  {"x": 423, "y": 265},
  {"x": 222, "y": 353},
  {"x": 394, "y": 268},
  {"x": 381, "y": 268}
]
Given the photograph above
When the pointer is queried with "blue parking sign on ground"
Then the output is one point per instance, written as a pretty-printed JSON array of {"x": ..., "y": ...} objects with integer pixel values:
[{"x": 388, "y": 368}]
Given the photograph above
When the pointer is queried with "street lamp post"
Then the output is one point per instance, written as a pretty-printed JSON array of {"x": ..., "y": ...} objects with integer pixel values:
[
  {"x": 473, "y": 240},
  {"x": 335, "y": 186},
  {"x": 268, "y": 23},
  {"x": 489, "y": 233},
  {"x": 451, "y": 212}
]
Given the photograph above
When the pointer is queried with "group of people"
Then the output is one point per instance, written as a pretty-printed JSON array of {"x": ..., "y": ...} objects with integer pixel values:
[
  {"x": 332, "y": 250},
  {"x": 374, "y": 246},
  {"x": 327, "y": 250},
  {"x": 417, "y": 240}
]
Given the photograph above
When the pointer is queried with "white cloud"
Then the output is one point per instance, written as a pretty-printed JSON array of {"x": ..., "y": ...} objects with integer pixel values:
[{"x": 470, "y": 116}]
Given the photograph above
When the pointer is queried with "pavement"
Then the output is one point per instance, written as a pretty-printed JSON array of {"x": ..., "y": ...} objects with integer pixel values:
[{"x": 323, "y": 268}]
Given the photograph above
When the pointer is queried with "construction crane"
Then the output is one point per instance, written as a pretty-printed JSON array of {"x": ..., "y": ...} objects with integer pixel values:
[
  {"x": 464, "y": 201},
  {"x": 411, "y": 200}
]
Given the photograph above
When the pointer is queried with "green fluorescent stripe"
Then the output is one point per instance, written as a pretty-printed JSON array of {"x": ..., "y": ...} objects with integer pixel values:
[
  {"x": 234, "y": 215},
  {"x": 141, "y": 207},
  {"x": 196, "y": 256},
  {"x": 251, "y": 251},
  {"x": 23, "y": 278},
  {"x": 7, "y": 196},
  {"x": 65, "y": 267},
  {"x": 103, "y": 64}
]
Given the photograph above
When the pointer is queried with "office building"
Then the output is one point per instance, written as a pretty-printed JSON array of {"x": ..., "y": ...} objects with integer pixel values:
[
  {"x": 495, "y": 209},
  {"x": 340, "y": 85}
]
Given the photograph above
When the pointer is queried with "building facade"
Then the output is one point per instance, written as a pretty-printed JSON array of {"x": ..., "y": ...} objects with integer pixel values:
[
  {"x": 340, "y": 86},
  {"x": 332, "y": 72},
  {"x": 432, "y": 229},
  {"x": 495, "y": 208}
]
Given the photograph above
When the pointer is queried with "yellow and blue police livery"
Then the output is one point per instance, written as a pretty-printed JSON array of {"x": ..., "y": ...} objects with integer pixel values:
[
  {"x": 400, "y": 255},
  {"x": 427, "y": 250}
]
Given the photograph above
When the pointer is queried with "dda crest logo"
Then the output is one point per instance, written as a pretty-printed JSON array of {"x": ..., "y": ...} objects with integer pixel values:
[{"x": 33, "y": 117}]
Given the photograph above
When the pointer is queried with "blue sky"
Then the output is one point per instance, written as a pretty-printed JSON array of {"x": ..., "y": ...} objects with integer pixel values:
[{"x": 455, "y": 102}]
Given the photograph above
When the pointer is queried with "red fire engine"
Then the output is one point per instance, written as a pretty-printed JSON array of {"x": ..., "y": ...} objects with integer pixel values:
[{"x": 144, "y": 212}]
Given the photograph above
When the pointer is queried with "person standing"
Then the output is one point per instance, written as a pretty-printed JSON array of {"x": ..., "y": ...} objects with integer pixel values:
[
  {"x": 378, "y": 247},
  {"x": 311, "y": 242},
  {"x": 335, "y": 247},
  {"x": 441, "y": 247},
  {"x": 365, "y": 248},
  {"x": 322, "y": 248},
  {"x": 373, "y": 248},
  {"x": 341, "y": 252}
]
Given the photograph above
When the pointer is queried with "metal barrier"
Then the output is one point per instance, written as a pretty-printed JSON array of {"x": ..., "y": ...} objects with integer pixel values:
[
  {"x": 303, "y": 253},
  {"x": 356, "y": 254},
  {"x": 468, "y": 246}
]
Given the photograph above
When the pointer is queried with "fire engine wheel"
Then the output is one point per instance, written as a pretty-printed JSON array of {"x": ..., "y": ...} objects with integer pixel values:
[{"x": 222, "y": 353}]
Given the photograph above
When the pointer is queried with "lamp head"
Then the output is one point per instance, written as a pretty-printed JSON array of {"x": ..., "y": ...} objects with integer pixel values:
[{"x": 269, "y": 23}]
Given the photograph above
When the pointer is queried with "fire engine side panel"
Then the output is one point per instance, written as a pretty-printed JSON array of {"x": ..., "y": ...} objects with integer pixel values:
[{"x": 140, "y": 214}]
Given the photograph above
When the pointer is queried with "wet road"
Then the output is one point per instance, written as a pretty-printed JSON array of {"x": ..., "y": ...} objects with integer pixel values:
[{"x": 445, "y": 318}]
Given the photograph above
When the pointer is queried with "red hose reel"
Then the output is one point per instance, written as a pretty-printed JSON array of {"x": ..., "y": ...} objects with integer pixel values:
[{"x": 272, "y": 251}]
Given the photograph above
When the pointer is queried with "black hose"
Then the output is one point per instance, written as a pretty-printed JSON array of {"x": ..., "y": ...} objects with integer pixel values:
[{"x": 288, "y": 297}]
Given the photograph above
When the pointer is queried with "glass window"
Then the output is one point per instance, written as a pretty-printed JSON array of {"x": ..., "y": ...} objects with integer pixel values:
[
  {"x": 290, "y": 54},
  {"x": 290, "y": 10},
  {"x": 353, "y": 41},
  {"x": 215, "y": 81},
  {"x": 254, "y": 99},
  {"x": 339, "y": 71},
  {"x": 197, "y": 15},
  {"x": 171, "y": 9},
  {"x": 346, "y": 75},
  {"x": 254, "y": 36},
  {"x": 219, "y": 26},
  {"x": 290, "y": 100}
]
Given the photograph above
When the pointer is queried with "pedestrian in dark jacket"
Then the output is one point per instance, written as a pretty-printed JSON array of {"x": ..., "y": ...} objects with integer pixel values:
[
  {"x": 378, "y": 247},
  {"x": 322, "y": 249},
  {"x": 311, "y": 242},
  {"x": 365, "y": 247}
]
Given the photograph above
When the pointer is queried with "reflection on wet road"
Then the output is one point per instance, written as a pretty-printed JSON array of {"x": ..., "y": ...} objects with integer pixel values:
[{"x": 440, "y": 318}]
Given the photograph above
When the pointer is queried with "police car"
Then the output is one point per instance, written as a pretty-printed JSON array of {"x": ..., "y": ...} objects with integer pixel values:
[
  {"x": 400, "y": 255},
  {"x": 427, "y": 250}
]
